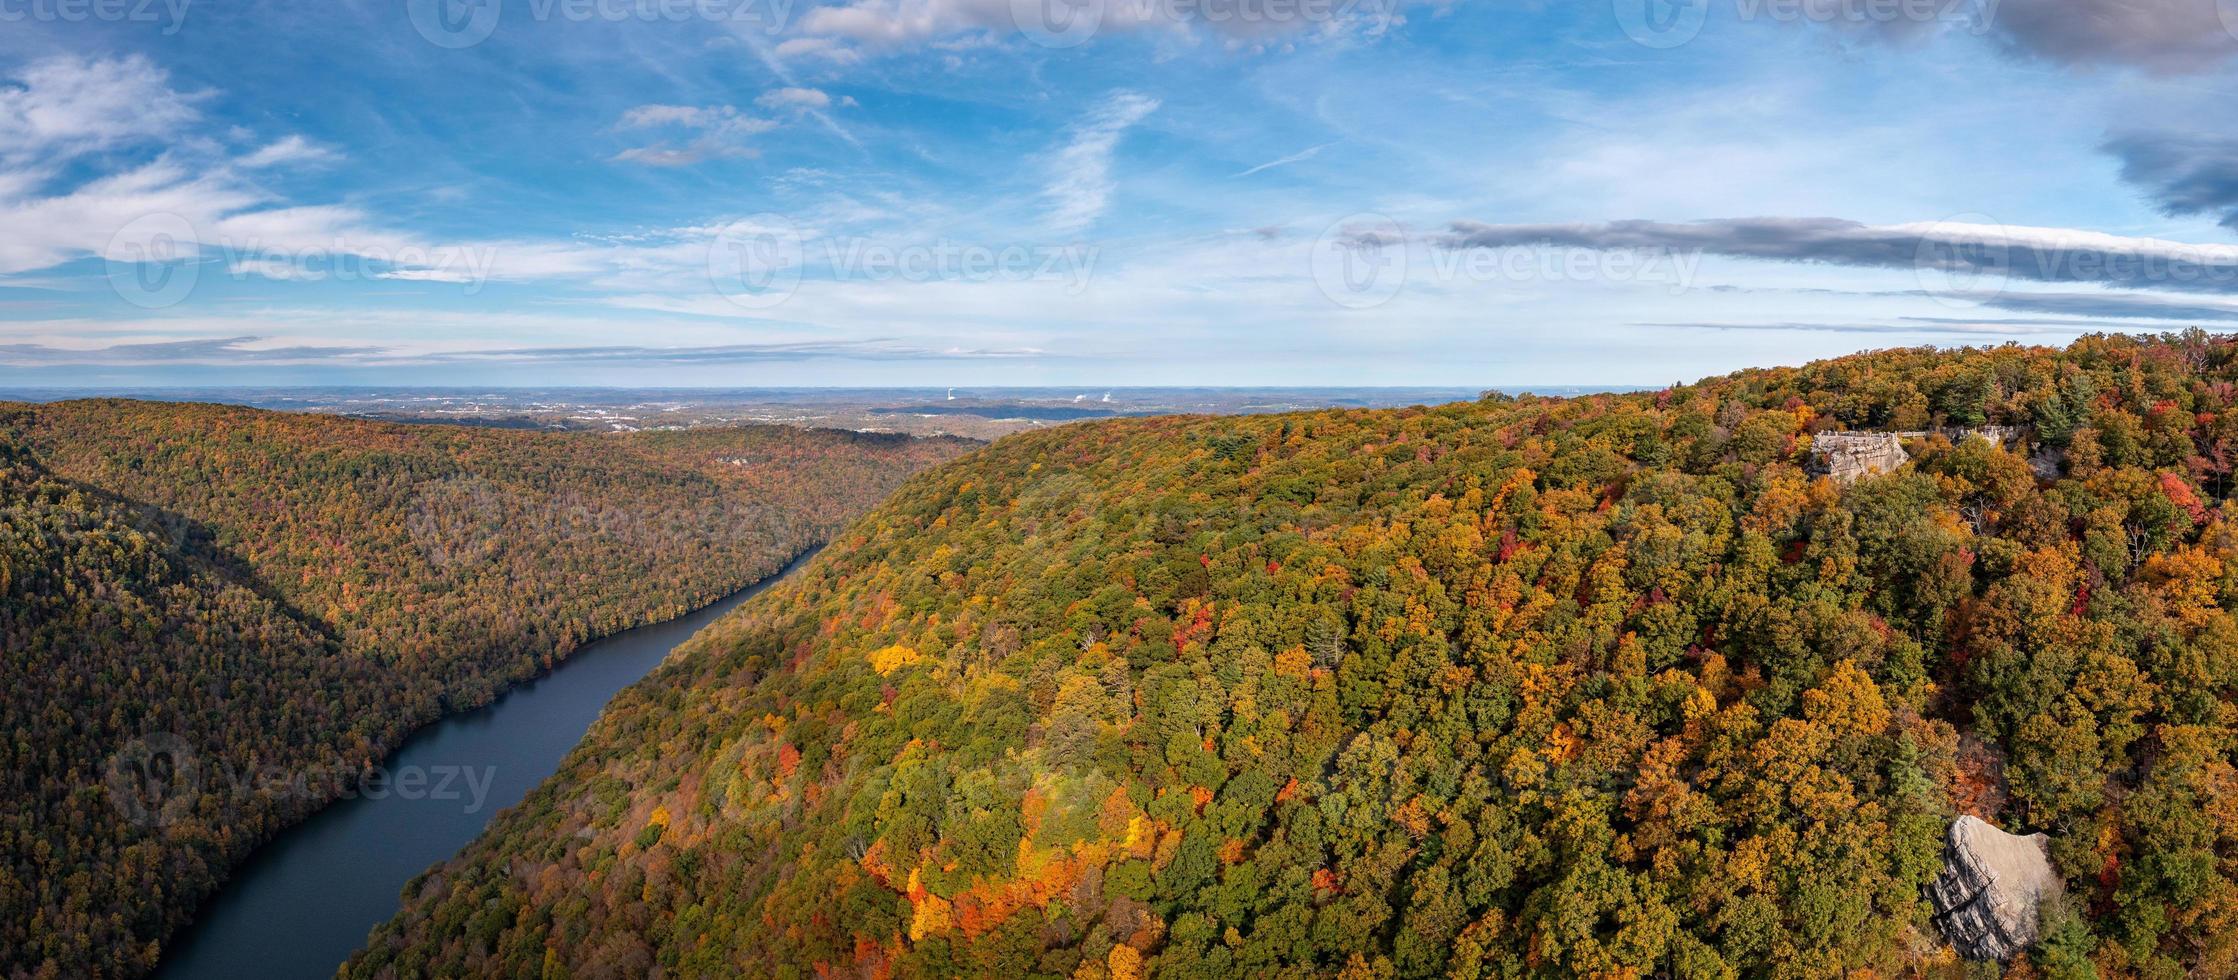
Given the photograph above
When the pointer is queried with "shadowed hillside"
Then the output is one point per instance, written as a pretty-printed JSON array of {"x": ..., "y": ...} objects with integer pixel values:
[{"x": 197, "y": 595}]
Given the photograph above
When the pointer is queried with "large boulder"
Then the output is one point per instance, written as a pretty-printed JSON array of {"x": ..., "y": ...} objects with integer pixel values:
[{"x": 1992, "y": 886}]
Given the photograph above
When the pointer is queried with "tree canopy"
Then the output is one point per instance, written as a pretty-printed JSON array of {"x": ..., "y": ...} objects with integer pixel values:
[{"x": 1609, "y": 686}]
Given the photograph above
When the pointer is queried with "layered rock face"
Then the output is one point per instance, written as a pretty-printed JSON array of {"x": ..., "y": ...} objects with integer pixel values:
[
  {"x": 1847, "y": 456},
  {"x": 1992, "y": 885}
]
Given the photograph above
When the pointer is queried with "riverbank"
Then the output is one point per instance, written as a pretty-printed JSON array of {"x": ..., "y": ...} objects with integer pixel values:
[{"x": 305, "y": 900}]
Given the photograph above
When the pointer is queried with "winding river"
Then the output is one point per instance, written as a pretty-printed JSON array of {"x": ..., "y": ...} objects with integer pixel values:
[{"x": 304, "y": 902}]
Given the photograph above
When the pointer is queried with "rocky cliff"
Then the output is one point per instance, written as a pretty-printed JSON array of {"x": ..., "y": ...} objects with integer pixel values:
[
  {"x": 1992, "y": 885},
  {"x": 1847, "y": 456}
]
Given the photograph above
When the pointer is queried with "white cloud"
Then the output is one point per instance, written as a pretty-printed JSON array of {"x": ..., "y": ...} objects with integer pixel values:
[
  {"x": 888, "y": 23},
  {"x": 191, "y": 202},
  {"x": 721, "y": 131},
  {"x": 907, "y": 24},
  {"x": 42, "y": 232},
  {"x": 825, "y": 48},
  {"x": 794, "y": 97},
  {"x": 720, "y": 119},
  {"x": 1080, "y": 183},
  {"x": 293, "y": 149},
  {"x": 64, "y": 107}
]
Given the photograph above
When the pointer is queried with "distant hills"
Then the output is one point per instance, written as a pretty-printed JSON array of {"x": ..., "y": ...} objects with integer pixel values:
[{"x": 973, "y": 413}]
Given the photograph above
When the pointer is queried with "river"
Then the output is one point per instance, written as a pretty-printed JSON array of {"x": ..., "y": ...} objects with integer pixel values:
[{"x": 305, "y": 901}]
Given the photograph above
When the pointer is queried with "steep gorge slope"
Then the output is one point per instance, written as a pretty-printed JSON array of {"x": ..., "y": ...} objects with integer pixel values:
[
  {"x": 1600, "y": 687},
  {"x": 218, "y": 592}
]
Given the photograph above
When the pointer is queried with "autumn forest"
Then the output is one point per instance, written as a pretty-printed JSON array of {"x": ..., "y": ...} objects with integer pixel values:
[
  {"x": 1613, "y": 686},
  {"x": 1626, "y": 685}
]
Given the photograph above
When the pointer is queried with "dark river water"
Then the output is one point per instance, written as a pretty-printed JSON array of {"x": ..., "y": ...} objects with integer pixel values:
[{"x": 304, "y": 902}]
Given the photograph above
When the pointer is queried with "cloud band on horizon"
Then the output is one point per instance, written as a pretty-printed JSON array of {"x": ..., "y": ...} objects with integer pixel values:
[{"x": 2051, "y": 255}]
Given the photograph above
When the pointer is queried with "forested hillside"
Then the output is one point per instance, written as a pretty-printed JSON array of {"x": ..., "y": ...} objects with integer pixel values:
[
  {"x": 1605, "y": 687},
  {"x": 245, "y": 592}
]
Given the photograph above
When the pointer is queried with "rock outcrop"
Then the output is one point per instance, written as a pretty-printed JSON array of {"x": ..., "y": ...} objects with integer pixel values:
[
  {"x": 2003, "y": 435},
  {"x": 1993, "y": 883},
  {"x": 1847, "y": 456}
]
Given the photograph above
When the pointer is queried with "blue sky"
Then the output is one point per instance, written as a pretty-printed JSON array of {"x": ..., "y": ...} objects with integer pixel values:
[{"x": 932, "y": 192}]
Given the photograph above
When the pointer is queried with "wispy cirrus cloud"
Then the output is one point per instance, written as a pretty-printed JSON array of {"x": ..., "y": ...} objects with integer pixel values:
[
  {"x": 715, "y": 132},
  {"x": 899, "y": 25},
  {"x": 1080, "y": 181},
  {"x": 1283, "y": 161},
  {"x": 204, "y": 200},
  {"x": 287, "y": 150},
  {"x": 62, "y": 107}
]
